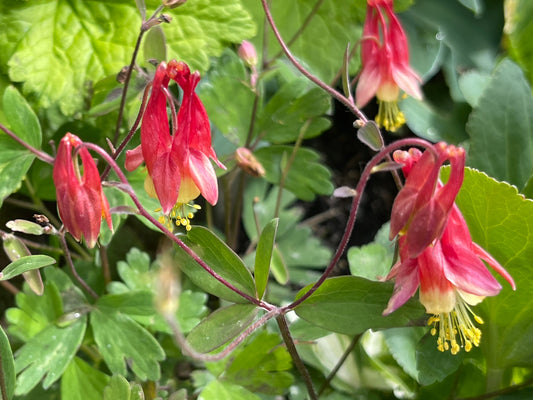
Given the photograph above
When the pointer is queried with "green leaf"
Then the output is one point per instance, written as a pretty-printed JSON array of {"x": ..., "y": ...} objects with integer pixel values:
[
  {"x": 263, "y": 256},
  {"x": 473, "y": 41},
  {"x": 519, "y": 28},
  {"x": 327, "y": 33},
  {"x": 351, "y": 305},
  {"x": 135, "y": 271},
  {"x": 120, "y": 338},
  {"x": 8, "y": 365},
  {"x": 117, "y": 388},
  {"x": 306, "y": 178},
  {"x": 262, "y": 365},
  {"x": 374, "y": 260},
  {"x": 221, "y": 259},
  {"x": 221, "y": 326},
  {"x": 227, "y": 97},
  {"x": 432, "y": 364},
  {"x": 25, "y": 264},
  {"x": 83, "y": 382},
  {"x": 278, "y": 267},
  {"x": 15, "y": 160},
  {"x": 436, "y": 123},
  {"x": 34, "y": 313},
  {"x": 501, "y": 127},
  {"x": 55, "y": 47},
  {"x": 132, "y": 303},
  {"x": 22, "y": 225},
  {"x": 294, "y": 108},
  {"x": 47, "y": 354},
  {"x": 501, "y": 221},
  {"x": 402, "y": 343},
  {"x": 221, "y": 390}
]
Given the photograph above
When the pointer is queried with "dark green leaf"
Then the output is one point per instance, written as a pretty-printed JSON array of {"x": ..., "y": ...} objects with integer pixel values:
[
  {"x": 57, "y": 70},
  {"x": 294, "y": 108},
  {"x": 263, "y": 256},
  {"x": 373, "y": 261},
  {"x": 24, "y": 264},
  {"x": 228, "y": 98},
  {"x": 351, "y": 305},
  {"x": 306, "y": 178},
  {"x": 132, "y": 303},
  {"x": 436, "y": 123},
  {"x": 8, "y": 365},
  {"x": 221, "y": 259},
  {"x": 519, "y": 28},
  {"x": 15, "y": 160},
  {"x": 501, "y": 127},
  {"x": 402, "y": 343},
  {"x": 262, "y": 365},
  {"x": 299, "y": 248},
  {"x": 327, "y": 33},
  {"x": 260, "y": 203},
  {"x": 432, "y": 364},
  {"x": 221, "y": 390},
  {"x": 473, "y": 41},
  {"x": 117, "y": 388},
  {"x": 221, "y": 326},
  {"x": 119, "y": 338},
  {"x": 47, "y": 354},
  {"x": 34, "y": 313},
  {"x": 83, "y": 382}
]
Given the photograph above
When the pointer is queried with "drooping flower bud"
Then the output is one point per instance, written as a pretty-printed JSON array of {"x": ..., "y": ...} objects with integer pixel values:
[{"x": 80, "y": 199}]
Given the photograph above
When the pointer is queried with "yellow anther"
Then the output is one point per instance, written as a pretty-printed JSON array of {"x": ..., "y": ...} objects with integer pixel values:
[
  {"x": 190, "y": 215},
  {"x": 478, "y": 319}
]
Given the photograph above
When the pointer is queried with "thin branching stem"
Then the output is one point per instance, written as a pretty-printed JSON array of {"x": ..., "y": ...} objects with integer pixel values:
[
  {"x": 126, "y": 187},
  {"x": 144, "y": 28},
  {"x": 66, "y": 252},
  {"x": 188, "y": 350},
  {"x": 355, "y": 205},
  {"x": 300, "y": 30},
  {"x": 339, "y": 364},
  {"x": 291, "y": 348},
  {"x": 41, "y": 155},
  {"x": 332, "y": 92}
]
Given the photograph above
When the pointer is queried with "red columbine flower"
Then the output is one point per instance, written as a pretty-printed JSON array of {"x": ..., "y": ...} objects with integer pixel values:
[
  {"x": 449, "y": 270},
  {"x": 80, "y": 199},
  {"x": 177, "y": 161},
  {"x": 385, "y": 64}
]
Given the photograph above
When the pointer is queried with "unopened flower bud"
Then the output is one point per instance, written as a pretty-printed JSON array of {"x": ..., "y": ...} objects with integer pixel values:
[
  {"x": 247, "y": 53},
  {"x": 16, "y": 249},
  {"x": 173, "y": 3},
  {"x": 248, "y": 163}
]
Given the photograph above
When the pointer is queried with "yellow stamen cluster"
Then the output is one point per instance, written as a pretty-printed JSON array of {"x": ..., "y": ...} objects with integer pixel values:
[
  {"x": 389, "y": 115},
  {"x": 180, "y": 215},
  {"x": 456, "y": 329}
]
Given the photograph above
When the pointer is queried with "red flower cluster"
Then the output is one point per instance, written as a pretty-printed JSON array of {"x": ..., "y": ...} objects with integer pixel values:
[
  {"x": 385, "y": 64},
  {"x": 177, "y": 161},
  {"x": 436, "y": 250},
  {"x": 80, "y": 199}
]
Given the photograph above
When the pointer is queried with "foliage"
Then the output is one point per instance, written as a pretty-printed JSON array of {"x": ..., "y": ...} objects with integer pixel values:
[{"x": 255, "y": 297}]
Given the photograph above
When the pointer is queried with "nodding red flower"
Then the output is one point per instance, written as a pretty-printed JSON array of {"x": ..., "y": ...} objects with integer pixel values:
[
  {"x": 80, "y": 199},
  {"x": 177, "y": 161},
  {"x": 446, "y": 265},
  {"x": 385, "y": 64}
]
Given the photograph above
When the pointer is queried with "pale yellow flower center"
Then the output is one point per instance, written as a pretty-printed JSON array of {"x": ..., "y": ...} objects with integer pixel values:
[{"x": 456, "y": 329}]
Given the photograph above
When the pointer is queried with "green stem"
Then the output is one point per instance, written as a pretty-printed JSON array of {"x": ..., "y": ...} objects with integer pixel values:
[
  {"x": 144, "y": 28},
  {"x": 66, "y": 251},
  {"x": 300, "y": 30},
  {"x": 339, "y": 364},
  {"x": 287, "y": 168},
  {"x": 289, "y": 342}
]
